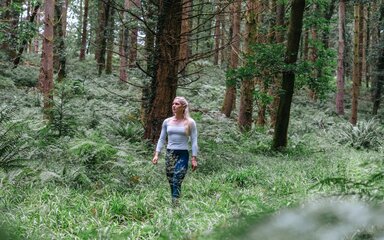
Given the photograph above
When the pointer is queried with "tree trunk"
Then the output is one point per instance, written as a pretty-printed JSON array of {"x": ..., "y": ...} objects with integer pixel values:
[
  {"x": 279, "y": 38},
  {"x": 59, "y": 52},
  {"x": 36, "y": 40},
  {"x": 102, "y": 34},
  {"x": 84, "y": 31},
  {"x": 248, "y": 85},
  {"x": 133, "y": 40},
  {"x": 217, "y": 33},
  {"x": 261, "y": 83},
  {"x": 365, "y": 46},
  {"x": 356, "y": 76},
  {"x": 230, "y": 94},
  {"x": 164, "y": 84},
  {"x": 110, "y": 40},
  {"x": 328, "y": 16},
  {"x": 184, "y": 39},
  {"x": 378, "y": 84},
  {"x": 123, "y": 46},
  {"x": 361, "y": 43},
  {"x": 340, "y": 60},
  {"x": 46, "y": 69},
  {"x": 147, "y": 95},
  {"x": 312, "y": 57},
  {"x": 293, "y": 43},
  {"x": 64, "y": 17},
  {"x": 224, "y": 39},
  {"x": 378, "y": 79}
]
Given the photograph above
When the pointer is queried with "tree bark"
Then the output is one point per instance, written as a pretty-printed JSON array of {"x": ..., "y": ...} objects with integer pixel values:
[
  {"x": 84, "y": 31},
  {"x": 133, "y": 39},
  {"x": 378, "y": 79},
  {"x": 65, "y": 16},
  {"x": 356, "y": 76},
  {"x": 150, "y": 55},
  {"x": 312, "y": 57},
  {"x": 184, "y": 38},
  {"x": 230, "y": 94},
  {"x": 340, "y": 60},
  {"x": 328, "y": 16},
  {"x": 279, "y": 39},
  {"x": 293, "y": 42},
  {"x": 123, "y": 46},
  {"x": 260, "y": 82},
  {"x": 59, "y": 51},
  {"x": 36, "y": 39},
  {"x": 217, "y": 33},
  {"x": 101, "y": 42},
  {"x": 46, "y": 69},
  {"x": 377, "y": 94},
  {"x": 245, "y": 118},
  {"x": 164, "y": 84},
  {"x": 110, "y": 40}
]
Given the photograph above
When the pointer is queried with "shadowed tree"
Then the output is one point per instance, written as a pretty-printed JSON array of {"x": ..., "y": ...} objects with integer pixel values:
[
  {"x": 378, "y": 80},
  {"x": 279, "y": 12},
  {"x": 293, "y": 42}
]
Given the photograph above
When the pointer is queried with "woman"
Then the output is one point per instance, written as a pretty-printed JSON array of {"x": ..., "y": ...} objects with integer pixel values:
[{"x": 179, "y": 129}]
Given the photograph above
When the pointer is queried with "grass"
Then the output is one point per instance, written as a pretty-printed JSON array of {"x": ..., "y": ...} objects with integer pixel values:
[{"x": 240, "y": 182}]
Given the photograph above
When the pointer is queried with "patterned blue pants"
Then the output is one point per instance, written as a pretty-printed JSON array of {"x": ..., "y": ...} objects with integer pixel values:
[{"x": 176, "y": 163}]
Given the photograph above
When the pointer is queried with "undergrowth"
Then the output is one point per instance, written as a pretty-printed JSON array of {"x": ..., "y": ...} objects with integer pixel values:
[{"x": 89, "y": 175}]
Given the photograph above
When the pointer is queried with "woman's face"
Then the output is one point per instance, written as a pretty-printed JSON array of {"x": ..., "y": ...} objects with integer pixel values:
[{"x": 177, "y": 107}]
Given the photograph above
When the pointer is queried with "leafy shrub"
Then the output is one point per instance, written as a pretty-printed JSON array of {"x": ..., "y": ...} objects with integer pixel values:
[
  {"x": 93, "y": 151},
  {"x": 365, "y": 135},
  {"x": 127, "y": 127},
  {"x": 5, "y": 82},
  {"x": 12, "y": 141},
  {"x": 25, "y": 77}
]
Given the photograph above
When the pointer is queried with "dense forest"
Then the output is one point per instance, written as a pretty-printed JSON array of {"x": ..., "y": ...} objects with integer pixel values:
[{"x": 286, "y": 96}]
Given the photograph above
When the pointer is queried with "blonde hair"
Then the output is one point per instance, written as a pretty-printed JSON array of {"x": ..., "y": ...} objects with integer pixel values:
[{"x": 186, "y": 115}]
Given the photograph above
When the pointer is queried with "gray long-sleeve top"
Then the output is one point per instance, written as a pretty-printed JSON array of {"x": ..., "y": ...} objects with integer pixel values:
[{"x": 177, "y": 136}]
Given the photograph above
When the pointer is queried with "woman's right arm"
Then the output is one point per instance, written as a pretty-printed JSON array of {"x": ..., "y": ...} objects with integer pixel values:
[{"x": 160, "y": 142}]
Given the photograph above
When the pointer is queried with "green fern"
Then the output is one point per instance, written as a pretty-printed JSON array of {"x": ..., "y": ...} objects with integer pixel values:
[
  {"x": 12, "y": 141},
  {"x": 365, "y": 135}
]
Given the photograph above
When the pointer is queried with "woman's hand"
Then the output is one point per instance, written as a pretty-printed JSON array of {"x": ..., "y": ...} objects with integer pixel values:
[
  {"x": 155, "y": 158},
  {"x": 194, "y": 163}
]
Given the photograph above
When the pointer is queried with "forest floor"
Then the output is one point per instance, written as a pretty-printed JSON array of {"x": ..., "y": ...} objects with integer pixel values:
[{"x": 89, "y": 175}]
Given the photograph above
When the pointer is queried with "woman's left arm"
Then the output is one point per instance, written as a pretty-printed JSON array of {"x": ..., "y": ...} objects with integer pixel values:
[{"x": 195, "y": 148}]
